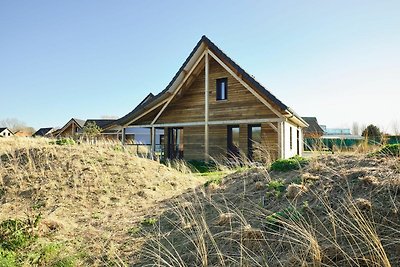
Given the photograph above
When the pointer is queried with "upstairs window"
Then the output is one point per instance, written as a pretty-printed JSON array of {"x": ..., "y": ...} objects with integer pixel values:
[{"x": 222, "y": 89}]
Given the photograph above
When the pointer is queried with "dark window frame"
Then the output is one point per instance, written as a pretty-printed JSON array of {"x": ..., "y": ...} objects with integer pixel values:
[
  {"x": 218, "y": 89},
  {"x": 291, "y": 137}
]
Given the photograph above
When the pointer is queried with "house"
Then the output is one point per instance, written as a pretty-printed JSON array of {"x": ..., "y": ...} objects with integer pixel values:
[
  {"x": 103, "y": 124},
  {"x": 70, "y": 129},
  {"x": 213, "y": 108},
  {"x": 5, "y": 132},
  {"x": 23, "y": 133},
  {"x": 313, "y": 130},
  {"x": 44, "y": 132}
]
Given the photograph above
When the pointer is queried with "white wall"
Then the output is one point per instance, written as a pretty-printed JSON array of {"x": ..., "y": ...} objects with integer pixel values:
[
  {"x": 6, "y": 133},
  {"x": 292, "y": 151}
]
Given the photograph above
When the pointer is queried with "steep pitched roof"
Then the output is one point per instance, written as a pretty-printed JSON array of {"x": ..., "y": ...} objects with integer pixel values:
[
  {"x": 102, "y": 123},
  {"x": 43, "y": 131},
  {"x": 80, "y": 123},
  {"x": 179, "y": 76},
  {"x": 3, "y": 129},
  {"x": 313, "y": 126}
]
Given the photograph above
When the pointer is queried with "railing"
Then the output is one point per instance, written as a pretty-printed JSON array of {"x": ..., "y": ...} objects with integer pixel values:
[{"x": 144, "y": 150}]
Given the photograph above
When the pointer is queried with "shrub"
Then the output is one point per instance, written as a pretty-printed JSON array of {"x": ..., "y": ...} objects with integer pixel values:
[
  {"x": 63, "y": 142},
  {"x": 202, "y": 166},
  {"x": 389, "y": 150},
  {"x": 293, "y": 163}
]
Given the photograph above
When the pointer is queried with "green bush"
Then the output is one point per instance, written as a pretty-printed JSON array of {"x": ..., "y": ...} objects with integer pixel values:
[
  {"x": 202, "y": 166},
  {"x": 63, "y": 142},
  {"x": 293, "y": 163},
  {"x": 389, "y": 150}
]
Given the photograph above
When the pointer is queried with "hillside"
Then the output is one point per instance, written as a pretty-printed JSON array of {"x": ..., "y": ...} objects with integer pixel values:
[
  {"x": 102, "y": 206},
  {"x": 87, "y": 197}
]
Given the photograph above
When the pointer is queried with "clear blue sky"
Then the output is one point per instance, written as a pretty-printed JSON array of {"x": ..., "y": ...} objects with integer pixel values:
[{"x": 337, "y": 60}]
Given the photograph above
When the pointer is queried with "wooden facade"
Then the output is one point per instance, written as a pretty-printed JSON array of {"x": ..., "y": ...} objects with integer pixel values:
[{"x": 198, "y": 124}]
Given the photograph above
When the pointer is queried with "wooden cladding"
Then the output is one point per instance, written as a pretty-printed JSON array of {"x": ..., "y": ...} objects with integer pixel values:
[{"x": 188, "y": 104}]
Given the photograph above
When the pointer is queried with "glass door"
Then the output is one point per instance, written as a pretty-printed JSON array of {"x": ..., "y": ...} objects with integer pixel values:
[{"x": 175, "y": 143}]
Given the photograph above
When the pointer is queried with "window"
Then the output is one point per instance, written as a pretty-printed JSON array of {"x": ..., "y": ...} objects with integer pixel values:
[
  {"x": 291, "y": 137},
  {"x": 222, "y": 89},
  {"x": 254, "y": 140}
]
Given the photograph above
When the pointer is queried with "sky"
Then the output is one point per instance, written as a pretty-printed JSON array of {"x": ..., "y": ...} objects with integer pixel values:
[{"x": 336, "y": 60}]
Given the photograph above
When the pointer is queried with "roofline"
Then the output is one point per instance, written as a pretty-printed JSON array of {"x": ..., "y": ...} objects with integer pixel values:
[{"x": 205, "y": 43}]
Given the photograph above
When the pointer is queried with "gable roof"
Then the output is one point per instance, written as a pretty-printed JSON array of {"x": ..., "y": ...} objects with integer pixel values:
[
  {"x": 80, "y": 123},
  {"x": 102, "y": 123},
  {"x": 313, "y": 126},
  {"x": 43, "y": 131},
  {"x": 4, "y": 128},
  {"x": 197, "y": 51}
]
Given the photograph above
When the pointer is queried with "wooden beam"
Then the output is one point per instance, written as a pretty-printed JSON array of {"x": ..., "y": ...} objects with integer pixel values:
[
  {"x": 265, "y": 102},
  {"x": 202, "y": 123},
  {"x": 178, "y": 88},
  {"x": 146, "y": 112},
  {"x": 123, "y": 136},
  {"x": 153, "y": 138},
  {"x": 206, "y": 90},
  {"x": 273, "y": 126}
]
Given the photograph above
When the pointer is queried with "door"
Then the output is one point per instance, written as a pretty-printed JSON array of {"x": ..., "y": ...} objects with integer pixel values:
[
  {"x": 233, "y": 141},
  {"x": 254, "y": 141},
  {"x": 175, "y": 143}
]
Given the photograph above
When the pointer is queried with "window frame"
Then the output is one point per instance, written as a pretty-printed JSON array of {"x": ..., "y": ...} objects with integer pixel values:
[{"x": 219, "y": 82}]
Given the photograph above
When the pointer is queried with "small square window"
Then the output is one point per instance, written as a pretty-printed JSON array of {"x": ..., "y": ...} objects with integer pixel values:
[{"x": 222, "y": 89}]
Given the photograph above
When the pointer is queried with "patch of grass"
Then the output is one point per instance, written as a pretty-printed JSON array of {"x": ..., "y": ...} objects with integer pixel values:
[
  {"x": 293, "y": 163},
  {"x": 202, "y": 166},
  {"x": 215, "y": 179},
  {"x": 274, "y": 221},
  {"x": 63, "y": 142},
  {"x": 16, "y": 233},
  {"x": 134, "y": 230},
  {"x": 149, "y": 222},
  {"x": 277, "y": 188},
  {"x": 388, "y": 150}
]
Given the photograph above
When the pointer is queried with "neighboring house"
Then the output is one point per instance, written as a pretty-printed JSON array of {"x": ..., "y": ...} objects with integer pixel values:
[
  {"x": 23, "y": 133},
  {"x": 335, "y": 131},
  {"x": 313, "y": 130},
  {"x": 212, "y": 107},
  {"x": 44, "y": 132},
  {"x": 70, "y": 129},
  {"x": 5, "y": 132},
  {"x": 103, "y": 124},
  {"x": 312, "y": 134}
]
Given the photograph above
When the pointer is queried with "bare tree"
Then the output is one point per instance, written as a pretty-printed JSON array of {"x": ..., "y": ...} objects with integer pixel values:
[
  {"x": 355, "y": 128},
  {"x": 13, "y": 124}
]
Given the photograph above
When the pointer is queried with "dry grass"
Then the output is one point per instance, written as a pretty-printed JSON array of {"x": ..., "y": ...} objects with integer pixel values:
[
  {"x": 334, "y": 217},
  {"x": 89, "y": 196},
  {"x": 340, "y": 210}
]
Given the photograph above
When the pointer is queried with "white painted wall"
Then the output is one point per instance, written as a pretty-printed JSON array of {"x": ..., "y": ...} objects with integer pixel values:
[
  {"x": 6, "y": 133},
  {"x": 292, "y": 151}
]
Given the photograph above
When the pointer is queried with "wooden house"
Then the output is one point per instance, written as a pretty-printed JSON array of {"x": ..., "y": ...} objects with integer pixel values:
[
  {"x": 70, "y": 129},
  {"x": 44, "y": 132},
  {"x": 313, "y": 130},
  {"x": 5, "y": 132},
  {"x": 212, "y": 107}
]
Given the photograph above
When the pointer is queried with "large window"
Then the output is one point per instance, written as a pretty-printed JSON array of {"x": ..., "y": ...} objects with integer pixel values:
[
  {"x": 291, "y": 137},
  {"x": 254, "y": 140},
  {"x": 233, "y": 141},
  {"x": 222, "y": 89}
]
